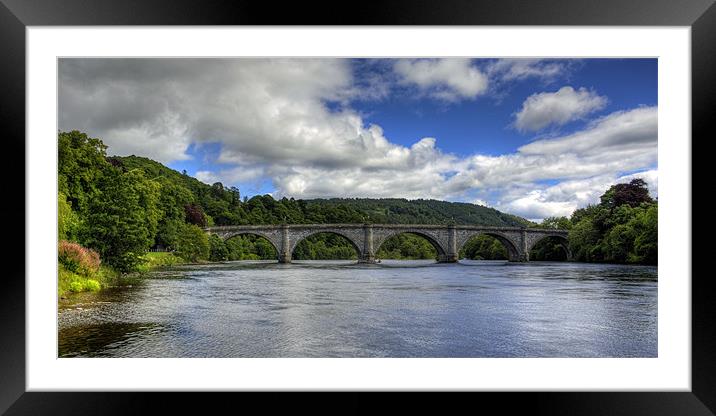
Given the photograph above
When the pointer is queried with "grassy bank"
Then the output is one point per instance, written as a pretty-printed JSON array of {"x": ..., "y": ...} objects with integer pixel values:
[
  {"x": 69, "y": 281},
  {"x": 157, "y": 260},
  {"x": 82, "y": 280}
]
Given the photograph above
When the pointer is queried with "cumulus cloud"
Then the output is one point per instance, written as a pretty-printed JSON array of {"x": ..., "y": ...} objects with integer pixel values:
[
  {"x": 631, "y": 132},
  {"x": 447, "y": 78},
  {"x": 289, "y": 121},
  {"x": 557, "y": 108},
  {"x": 565, "y": 197}
]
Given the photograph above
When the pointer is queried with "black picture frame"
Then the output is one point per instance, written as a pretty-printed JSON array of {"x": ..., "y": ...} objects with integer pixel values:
[{"x": 15, "y": 15}]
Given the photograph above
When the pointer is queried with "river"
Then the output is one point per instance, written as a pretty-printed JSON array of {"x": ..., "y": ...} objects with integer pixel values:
[{"x": 394, "y": 309}]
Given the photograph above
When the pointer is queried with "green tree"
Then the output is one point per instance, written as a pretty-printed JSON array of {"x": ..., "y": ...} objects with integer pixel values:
[
  {"x": 168, "y": 232},
  {"x": 81, "y": 164},
  {"x": 68, "y": 223},
  {"x": 217, "y": 249},
  {"x": 646, "y": 241},
  {"x": 560, "y": 223},
  {"x": 192, "y": 243},
  {"x": 583, "y": 240},
  {"x": 122, "y": 220}
]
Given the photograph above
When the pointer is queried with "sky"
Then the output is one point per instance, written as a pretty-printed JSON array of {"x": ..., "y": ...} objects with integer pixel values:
[{"x": 532, "y": 137}]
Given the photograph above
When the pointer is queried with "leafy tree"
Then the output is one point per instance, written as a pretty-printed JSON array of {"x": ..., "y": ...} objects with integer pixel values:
[
  {"x": 168, "y": 232},
  {"x": 173, "y": 198},
  {"x": 80, "y": 165},
  {"x": 68, "y": 223},
  {"x": 217, "y": 249},
  {"x": 646, "y": 240},
  {"x": 122, "y": 219},
  {"x": 559, "y": 223},
  {"x": 618, "y": 243},
  {"x": 622, "y": 228},
  {"x": 633, "y": 194},
  {"x": 583, "y": 239},
  {"x": 192, "y": 243},
  {"x": 195, "y": 215}
]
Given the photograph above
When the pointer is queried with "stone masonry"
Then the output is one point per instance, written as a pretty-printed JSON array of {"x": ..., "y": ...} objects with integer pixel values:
[{"x": 367, "y": 238}]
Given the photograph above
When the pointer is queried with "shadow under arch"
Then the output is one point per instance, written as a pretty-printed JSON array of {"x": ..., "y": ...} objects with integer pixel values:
[
  {"x": 298, "y": 246},
  {"x": 513, "y": 253},
  {"x": 440, "y": 252},
  {"x": 256, "y": 236},
  {"x": 543, "y": 249}
]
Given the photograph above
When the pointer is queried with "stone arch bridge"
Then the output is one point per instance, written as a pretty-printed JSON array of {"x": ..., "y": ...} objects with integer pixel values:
[{"x": 367, "y": 238}]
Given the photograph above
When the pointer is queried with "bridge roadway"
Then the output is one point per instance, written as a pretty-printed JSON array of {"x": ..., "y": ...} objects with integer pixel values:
[{"x": 367, "y": 238}]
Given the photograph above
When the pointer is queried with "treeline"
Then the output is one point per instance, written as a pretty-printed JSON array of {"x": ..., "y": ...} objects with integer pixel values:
[{"x": 622, "y": 228}]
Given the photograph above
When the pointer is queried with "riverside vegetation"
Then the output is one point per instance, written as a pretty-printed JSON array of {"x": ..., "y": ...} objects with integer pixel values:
[{"x": 113, "y": 210}]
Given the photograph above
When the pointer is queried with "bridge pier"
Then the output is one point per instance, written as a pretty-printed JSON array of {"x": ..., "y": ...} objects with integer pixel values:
[
  {"x": 367, "y": 259},
  {"x": 447, "y": 258},
  {"x": 521, "y": 258},
  {"x": 368, "y": 254},
  {"x": 285, "y": 255},
  {"x": 451, "y": 255}
]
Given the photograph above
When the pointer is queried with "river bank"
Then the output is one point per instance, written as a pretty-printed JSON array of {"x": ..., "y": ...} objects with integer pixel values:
[{"x": 71, "y": 282}]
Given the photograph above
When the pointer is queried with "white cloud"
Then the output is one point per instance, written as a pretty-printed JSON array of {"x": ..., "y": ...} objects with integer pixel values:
[
  {"x": 565, "y": 197},
  {"x": 449, "y": 79},
  {"x": 560, "y": 107},
  {"x": 273, "y": 123},
  {"x": 624, "y": 133},
  {"x": 238, "y": 174},
  {"x": 510, "y": 69}
]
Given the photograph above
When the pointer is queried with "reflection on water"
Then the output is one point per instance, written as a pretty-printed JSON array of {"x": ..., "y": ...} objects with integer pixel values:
[{"x": 394, "y": 309}]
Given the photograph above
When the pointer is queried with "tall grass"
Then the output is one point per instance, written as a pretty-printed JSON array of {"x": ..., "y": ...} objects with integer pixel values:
[{"x": 79, "y": 269}]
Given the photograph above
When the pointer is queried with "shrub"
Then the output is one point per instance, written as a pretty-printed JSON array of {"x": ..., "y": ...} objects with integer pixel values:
[
  {"x": 92, "y": 285},
  {"x": 76, "y": 286},
  {"x": 78, "y": 259}
]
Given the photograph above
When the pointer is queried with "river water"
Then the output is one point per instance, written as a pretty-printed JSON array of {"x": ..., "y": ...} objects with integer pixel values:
[{"x": 394, "y": 309}]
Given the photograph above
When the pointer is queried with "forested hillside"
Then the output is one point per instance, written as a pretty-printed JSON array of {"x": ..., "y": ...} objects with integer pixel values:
[{"x": 223, "y": 205}]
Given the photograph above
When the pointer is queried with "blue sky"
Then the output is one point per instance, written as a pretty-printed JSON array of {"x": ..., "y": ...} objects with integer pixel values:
[{"x": 533, "y": 137}]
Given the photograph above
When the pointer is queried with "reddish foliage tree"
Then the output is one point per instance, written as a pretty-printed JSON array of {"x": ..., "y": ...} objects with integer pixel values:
[
  {"x": 633, "y": 193},
  {"x": 195, "y": 215}
]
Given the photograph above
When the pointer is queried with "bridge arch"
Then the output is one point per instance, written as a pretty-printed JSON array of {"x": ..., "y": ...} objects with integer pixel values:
[
  {"x": 513, "y": 247},
  {"x": 276, "y": 244},
  {"x": 434, "y": 240},
  {"x": 560, "y": 238},
  {"x": 302, "y": 235}
]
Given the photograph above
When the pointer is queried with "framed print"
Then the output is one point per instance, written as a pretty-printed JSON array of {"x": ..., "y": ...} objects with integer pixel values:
[{"x": 415, "y": 198}]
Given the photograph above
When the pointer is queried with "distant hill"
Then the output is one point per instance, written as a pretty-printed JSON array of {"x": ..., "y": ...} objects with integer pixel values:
[
  {"x": 224, "y": 206},
  {"x": 423, "y": 211}
]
